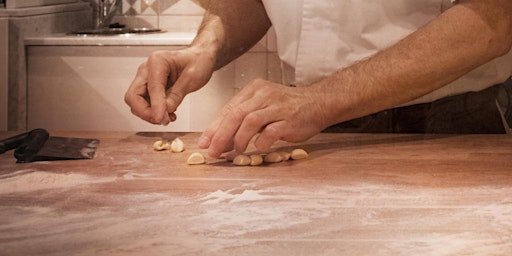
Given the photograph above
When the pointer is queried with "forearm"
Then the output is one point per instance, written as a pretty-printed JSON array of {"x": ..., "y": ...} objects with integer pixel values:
[
  {"x": 463, "y": 38},
  {"x": 230, "y": 28}
]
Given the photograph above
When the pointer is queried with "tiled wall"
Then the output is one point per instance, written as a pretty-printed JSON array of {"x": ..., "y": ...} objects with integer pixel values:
[
  {"x": 162, "y": 7},
  {"x": 185, "y": 16},
  {"x": 172, "y": 15}
]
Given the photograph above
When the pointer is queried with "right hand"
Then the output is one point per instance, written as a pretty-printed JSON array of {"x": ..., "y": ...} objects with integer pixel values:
[
  {"x": 267, "y": 112},
  {"x": 164, "y": 80}
]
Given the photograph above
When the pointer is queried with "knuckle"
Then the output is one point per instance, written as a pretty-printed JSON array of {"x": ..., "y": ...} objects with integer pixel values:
[
  {"x": 236, "y": 113},
  {"x": 254, "y": 119},
  {"x": 127, "y": 98},
  {"x": 142, "y": 67},
  {"x": 272, "y": 131},
  {"x": 152, "y": 58},
  {"x": 269, "y": 135}
]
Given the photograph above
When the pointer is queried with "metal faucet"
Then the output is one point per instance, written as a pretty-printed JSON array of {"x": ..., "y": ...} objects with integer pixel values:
[{"x": 106, "y": 10}]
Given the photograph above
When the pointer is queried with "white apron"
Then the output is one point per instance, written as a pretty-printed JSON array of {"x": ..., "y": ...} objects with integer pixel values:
[{"x": 317, "y": 37}]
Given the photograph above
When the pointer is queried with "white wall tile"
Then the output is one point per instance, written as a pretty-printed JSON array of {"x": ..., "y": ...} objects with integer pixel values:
[
  {"x": 180, "y": 8},
  {"x": 250, "y": 66},
  {"x": 274, "y": 73},
  {"x": 180, "y": 23}
]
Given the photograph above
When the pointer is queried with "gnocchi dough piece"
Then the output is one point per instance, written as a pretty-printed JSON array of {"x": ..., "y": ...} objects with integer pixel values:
[
  {"x": 285, "y": 155},
  {"x": 196, "y": 158},
  {"x": 177, "y": 145},
  {"x": 160, "y": 145},
  {"x": 256, "y": 159},
  {"x": 273, "y": 157},
  {"x": 299, "y": 153},
  {"x": 242, "y": 160}
]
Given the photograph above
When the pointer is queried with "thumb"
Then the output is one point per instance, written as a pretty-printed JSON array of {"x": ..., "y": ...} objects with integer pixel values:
[
  {"x": 174, "y": 97},
  {"x": 184, "y": 85}
]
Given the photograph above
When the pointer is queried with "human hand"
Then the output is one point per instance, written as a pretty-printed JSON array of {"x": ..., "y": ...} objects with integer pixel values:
[
  {"x": 164, "y": 80},
  {"x": 274, "y": 111}
]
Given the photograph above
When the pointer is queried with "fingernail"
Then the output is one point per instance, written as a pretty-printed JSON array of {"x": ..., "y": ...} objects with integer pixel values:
[
  {"x": 203, "y": 142},
  {"x": 173, "y": 117},
  {"x": 213, "y": 153}
]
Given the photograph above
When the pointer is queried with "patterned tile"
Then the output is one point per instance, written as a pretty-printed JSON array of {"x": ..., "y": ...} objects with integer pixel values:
[
  {"x": 180, "y": 7},
  {"x": 131, "y": 7},
  {"x": 162, "y": 7},
  {"x": 166, "y": 4},
  {"x": 149, "y": 7}
]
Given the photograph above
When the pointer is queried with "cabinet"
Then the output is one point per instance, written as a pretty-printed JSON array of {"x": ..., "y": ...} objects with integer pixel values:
[
  {"x": 76, "y": 88},
  {"x": 16, "y": 25},
  {"x": 4, "y": 49},
  {"x": 12, "y": 4}
]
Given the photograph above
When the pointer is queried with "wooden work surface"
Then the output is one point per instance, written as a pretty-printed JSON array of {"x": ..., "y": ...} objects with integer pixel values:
[{"x": 356, "y": 194}]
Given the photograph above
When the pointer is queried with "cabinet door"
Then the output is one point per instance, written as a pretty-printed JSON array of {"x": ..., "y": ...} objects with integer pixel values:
[
  {"x": 13, "y": 4},
  {"x": 82, "y": 88},
  {"x": 4, "y": 40}
]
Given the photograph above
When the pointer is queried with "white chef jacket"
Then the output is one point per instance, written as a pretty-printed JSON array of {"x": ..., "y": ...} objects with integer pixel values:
[{"x": 317, "y": 37}]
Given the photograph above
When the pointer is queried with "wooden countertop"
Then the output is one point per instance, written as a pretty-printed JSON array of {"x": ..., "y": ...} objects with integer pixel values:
[{"x": 357, "y": 194}]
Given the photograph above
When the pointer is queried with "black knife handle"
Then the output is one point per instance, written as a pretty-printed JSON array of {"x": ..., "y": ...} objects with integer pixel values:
[
  {"x": 12, "y": 142},
  {"x": 31, "y": 145}
]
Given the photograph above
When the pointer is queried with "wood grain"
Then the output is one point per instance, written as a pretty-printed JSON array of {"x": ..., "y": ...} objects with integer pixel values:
[{"x": 356, "y": 194}]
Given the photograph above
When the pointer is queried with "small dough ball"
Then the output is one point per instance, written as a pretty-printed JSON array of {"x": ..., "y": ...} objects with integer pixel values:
[
  {"x": 256, "y": 159},
  {"x": 160, "y": 145},
  {"x": 273, "y": 157},
  {"x": 177, "y": 145},
  {"x": 196, "y": 158},
  {"x": 299, "y": 154},
  {"x": 242, "y": 160},
  {"x": 285, "y": 155}
]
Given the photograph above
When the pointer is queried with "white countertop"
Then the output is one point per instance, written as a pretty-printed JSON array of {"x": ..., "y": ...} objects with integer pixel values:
[{"x": 165, "y": 38}]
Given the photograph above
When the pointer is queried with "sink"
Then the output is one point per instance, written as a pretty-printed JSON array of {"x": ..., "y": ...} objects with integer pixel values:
[{"x": 117, "y": 31}]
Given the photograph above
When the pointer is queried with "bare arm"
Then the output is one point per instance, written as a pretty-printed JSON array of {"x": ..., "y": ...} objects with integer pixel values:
[
  {"x": 464, "y": 37},
  {"x": 230, "y": 28}
]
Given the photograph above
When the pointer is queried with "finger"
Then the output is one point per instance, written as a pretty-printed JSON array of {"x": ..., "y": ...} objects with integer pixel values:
[
  {"x": 166, "y": 119},
  {"x": 252, "y": 124},
  {"x": 136, "y": 95},
  {"x": 243, "y": 96},
  {"x": 221, "y": 138},
  {"x": 270, "y": 135},
  {"x": 241, "y": 124},
  {"x": 158, "y": 73},
  {"x": 142, "y": 112},
  {"x": 175, "y": 95},
  {"x": 190, "y": 79}
]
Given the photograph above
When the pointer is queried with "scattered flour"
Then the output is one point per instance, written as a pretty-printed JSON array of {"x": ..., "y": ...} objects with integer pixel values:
[
  {"x": 238, "y": 211},
  {"x": 29, "y": 180},
  {"x": 226, "y": 196}
]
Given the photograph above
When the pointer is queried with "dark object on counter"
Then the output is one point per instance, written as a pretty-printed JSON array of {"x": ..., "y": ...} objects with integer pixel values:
[
  {"x": 116, "y": 31},
  {"x": 32, "y": 143},
  {"x": 38, "y": 145},
  {"x": 12, "y": 142},
  {"x": 116, "y": 25}
]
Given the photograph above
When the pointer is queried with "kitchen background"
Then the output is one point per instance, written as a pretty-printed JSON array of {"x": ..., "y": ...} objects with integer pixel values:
[
  {"x": 172, "y": 15},
  {"x": 21, "y": 25}
]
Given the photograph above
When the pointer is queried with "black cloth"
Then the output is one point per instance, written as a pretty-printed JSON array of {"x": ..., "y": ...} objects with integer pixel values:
[{"x": 468, "y": 113}]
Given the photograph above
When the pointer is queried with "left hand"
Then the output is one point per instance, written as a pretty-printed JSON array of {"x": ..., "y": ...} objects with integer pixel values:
[
  {"x": 274, "y": 111},
  {"x": 163, "y": 81}
]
